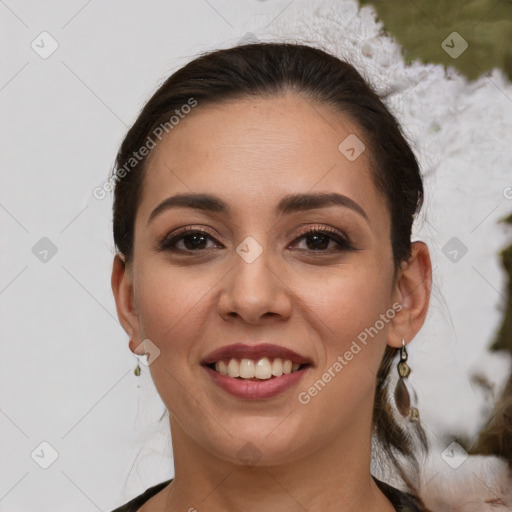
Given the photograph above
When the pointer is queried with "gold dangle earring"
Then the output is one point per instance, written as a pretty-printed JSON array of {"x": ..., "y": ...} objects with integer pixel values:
[
  {"x": 136, "y": 372},
  {"x": 402, "y": 395}
]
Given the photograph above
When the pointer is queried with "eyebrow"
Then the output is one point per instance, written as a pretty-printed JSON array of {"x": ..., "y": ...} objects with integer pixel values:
[{"x": 288, "y": 204}]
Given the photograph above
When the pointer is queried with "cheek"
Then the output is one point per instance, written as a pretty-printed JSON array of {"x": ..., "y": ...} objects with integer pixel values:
[
  {"x": 351, "y": 301},
  {"x": 354, "y": 312},
  {"x": 168, "y": 301}
]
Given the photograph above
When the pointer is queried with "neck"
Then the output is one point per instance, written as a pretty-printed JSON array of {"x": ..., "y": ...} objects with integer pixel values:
[{"x": 334, "y": 477}]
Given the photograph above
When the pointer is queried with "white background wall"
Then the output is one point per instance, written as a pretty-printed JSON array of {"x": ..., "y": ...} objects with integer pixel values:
[{"x": 67, "y": 373}]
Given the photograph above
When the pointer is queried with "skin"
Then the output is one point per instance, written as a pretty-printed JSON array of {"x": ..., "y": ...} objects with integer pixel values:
[{"x": 252, "y": 153}]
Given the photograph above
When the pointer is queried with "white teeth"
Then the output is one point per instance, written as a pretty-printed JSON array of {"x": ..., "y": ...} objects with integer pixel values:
[
  {"x": 221, "y": 367},
  {"x": 277, "y": 367},
  {"x": 234, "y": 368},
  {"x": 262, "y": 368},
  {"x": 246, "y": 369}
]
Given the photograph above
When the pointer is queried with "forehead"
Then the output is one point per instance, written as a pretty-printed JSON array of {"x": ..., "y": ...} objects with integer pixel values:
[{"x": 252, "y": 149}]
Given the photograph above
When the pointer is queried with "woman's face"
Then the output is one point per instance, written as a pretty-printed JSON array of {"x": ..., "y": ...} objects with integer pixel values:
[{"x": 249, "y": 274}]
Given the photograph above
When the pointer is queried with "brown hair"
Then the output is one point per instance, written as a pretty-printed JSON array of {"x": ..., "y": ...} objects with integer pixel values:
[{"x": 270, "y": 69}]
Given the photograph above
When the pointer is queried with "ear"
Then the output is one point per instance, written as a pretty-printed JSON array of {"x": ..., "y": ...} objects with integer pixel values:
[
  {"x": 122, "y": 288},
  {"x": 412, "y": 292}
]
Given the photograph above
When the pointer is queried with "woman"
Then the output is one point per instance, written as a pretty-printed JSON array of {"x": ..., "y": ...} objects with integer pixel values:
[{"x": 263, "y": 207}]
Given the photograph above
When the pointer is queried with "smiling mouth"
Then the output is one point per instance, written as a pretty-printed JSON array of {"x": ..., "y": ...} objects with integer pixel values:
[{"x": 256, "y": 369}]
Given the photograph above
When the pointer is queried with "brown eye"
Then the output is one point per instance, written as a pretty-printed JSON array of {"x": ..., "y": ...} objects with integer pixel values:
[
  {"x": 324, "y": 240},
  {"x": 318, "y": 241},
  {"x": 194, "y": 241},
  {"x": 188, "y": 240}
]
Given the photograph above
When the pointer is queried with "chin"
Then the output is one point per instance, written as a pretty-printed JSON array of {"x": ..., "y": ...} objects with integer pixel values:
[{"x": 253, "y": 447}]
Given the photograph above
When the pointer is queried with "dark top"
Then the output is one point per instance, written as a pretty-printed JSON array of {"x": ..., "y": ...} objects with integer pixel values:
[{"x": 403, "y": 502}]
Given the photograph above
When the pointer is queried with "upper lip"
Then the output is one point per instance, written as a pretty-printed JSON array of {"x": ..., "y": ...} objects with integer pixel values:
[{"x": 242, "y": 351}]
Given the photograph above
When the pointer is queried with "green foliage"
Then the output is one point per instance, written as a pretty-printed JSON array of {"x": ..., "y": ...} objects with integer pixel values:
[{"x": 420, "y": 26}]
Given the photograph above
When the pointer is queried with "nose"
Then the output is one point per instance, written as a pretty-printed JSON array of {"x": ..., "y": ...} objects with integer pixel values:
[{"x": 254, "y": 292}]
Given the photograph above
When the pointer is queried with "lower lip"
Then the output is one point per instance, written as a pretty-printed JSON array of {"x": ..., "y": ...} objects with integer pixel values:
[{"x": 256, "y": 389}]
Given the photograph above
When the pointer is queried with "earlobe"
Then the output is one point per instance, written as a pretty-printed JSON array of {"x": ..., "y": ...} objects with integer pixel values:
[
  {"x": 412, "y": 292},
  {"x": 122, "y": 289}
]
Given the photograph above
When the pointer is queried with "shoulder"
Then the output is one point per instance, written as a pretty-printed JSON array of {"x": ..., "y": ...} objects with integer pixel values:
[
  {"x": 137, "y": 502},
  {"x": 402, "y": 501},
  {"x": 481, "y": 482}
]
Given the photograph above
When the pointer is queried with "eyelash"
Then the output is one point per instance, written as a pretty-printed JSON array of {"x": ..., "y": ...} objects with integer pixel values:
[{"x": 168, "y": 242}]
